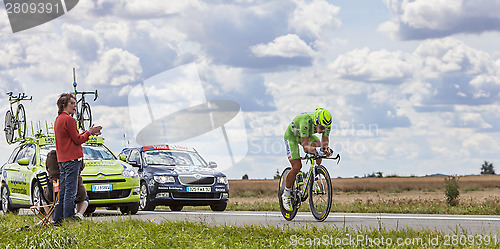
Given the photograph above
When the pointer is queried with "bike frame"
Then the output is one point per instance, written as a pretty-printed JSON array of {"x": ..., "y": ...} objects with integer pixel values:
[
  {"x": 16, "y": 99},
  {"x": 312, "y": 159}
]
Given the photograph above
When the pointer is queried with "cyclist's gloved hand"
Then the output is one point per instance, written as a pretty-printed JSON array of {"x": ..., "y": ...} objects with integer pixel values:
[
  {"x": 320, "y": 151},
  {"x": 328, "y": 151}
]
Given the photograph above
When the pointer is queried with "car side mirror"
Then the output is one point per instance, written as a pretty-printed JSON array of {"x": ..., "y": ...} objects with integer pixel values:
[
  {"x": 212, "y": 165},
  {"x": 133, "y": 163},
  {"x": 123, "y": 158},
  {"x": 24, "y": 161}
]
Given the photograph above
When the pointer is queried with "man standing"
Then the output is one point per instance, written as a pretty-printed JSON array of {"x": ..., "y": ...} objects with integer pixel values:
[{"x": 69, "y": 155}]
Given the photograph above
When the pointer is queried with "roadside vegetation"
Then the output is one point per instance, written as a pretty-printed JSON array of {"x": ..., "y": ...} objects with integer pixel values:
[
  {"x": 132, "y": 233},
  {"x": 430, "y": 195}
]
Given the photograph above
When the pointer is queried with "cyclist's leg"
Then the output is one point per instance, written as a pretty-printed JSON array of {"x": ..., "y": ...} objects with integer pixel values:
[
  {"x": 292, "y": 149},
  {"x": 316, "y": 143}
]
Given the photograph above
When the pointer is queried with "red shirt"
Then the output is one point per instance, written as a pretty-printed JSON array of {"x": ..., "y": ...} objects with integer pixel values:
[{"x": 68, "y": 141}]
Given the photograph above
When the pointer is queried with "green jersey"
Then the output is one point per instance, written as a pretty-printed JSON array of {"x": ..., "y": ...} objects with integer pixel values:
[{"x": 303, "y": 126}]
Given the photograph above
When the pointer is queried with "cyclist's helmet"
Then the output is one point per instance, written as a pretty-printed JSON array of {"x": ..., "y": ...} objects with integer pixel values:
[{"x": 322, "y": 117}]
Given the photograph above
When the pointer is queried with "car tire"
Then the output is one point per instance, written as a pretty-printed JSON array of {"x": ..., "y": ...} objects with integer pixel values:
[
  {"x": 145, "y": 203},
  {"x": 130, "y": 209},
  {"x": 218, "y": 207},
  {"x": 36, "y": 197},
  {"x": 6, "y": 204},
  {"x": 90, "y": 209},
  {"x": 176, "y": 207}
]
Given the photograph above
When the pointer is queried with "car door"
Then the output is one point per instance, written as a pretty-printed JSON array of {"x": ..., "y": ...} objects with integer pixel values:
[
  {"x": 16, "y": 181},
  {"x": 135, "y": 159},
  {"x": 26, "y": 172}
]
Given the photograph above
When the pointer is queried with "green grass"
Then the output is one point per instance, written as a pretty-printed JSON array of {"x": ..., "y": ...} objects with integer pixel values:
[{"x": 134, "y": 233}]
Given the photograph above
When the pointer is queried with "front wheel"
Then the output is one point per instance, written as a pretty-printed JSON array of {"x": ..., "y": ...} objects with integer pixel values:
[
  {"x": 320, "y": 192},
  {"x": 288, "y": 215},
  {"x": 9, "y": 127},
  {"x": 85, "y": 117},
  {"x": 21, "y": 121},
  {"x": 6, "y": 204},
  {"x": 145, "y": 203}
]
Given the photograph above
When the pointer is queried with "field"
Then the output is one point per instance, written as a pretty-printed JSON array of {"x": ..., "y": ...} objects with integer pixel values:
[{"x": 478, "y": 195}]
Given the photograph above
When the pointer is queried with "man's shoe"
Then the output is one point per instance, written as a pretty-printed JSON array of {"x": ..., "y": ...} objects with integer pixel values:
[{"x": 287, "y": 203}]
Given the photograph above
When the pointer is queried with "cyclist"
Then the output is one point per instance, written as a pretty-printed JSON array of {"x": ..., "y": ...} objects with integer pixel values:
[{"x": 301, "y": 131}]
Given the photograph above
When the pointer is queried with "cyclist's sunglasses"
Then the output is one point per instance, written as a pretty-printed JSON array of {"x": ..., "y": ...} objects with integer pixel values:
[{"x": 321, "y": 127}]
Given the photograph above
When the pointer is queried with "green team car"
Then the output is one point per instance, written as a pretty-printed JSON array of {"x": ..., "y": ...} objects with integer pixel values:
[{"x": 109, "y": 182}]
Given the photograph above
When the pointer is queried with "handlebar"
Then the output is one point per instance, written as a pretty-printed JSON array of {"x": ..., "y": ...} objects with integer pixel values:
[
  {"x": 21, "y": 96},
  {"x": 315, "y": 157},
  {"x": 85, "y": 93}
]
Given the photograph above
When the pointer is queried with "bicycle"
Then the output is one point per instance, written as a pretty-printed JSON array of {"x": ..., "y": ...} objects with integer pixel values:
[
  {"x": 317, "y": 184},
  {"x": 83, "y": 112},
  {"x": 17, "y": 122}
]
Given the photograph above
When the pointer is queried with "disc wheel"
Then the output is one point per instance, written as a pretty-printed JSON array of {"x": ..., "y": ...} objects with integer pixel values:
[
  {"x": 85, "y": 117},
  {"x": 9, "y": 127},
  {"x": 288, "y": 215},
  {"x": 21, "y": 121},
  {"x": 320, "y": 193}
]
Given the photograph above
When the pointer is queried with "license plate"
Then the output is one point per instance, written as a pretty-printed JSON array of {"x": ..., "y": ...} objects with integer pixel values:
[
  {"x": 104, "y": 187},
  {"x": 198, "y": 189}
]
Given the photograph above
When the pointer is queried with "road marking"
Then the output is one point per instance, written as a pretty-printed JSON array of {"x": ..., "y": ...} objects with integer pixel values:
[{"x": 409, "y": 216}]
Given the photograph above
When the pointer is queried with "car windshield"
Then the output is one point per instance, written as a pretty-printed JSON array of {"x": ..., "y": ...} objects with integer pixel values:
[
  {"x": 173, "y": 158},
  {"x": 96, "y": 152},
  {"x": 90, "y": 152}
]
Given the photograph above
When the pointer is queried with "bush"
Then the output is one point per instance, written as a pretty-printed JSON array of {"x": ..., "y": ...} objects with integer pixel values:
[{"x": 451, "y": 190}]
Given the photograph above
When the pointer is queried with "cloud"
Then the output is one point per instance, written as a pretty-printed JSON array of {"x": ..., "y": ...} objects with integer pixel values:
[
  {"x": 381, "y": 66},
  {"x": 314, "y": 18},
  {"x": 115, "y": 67},
  {"x": 287, "y": 46},
  {"x": 418, "y": 20}
]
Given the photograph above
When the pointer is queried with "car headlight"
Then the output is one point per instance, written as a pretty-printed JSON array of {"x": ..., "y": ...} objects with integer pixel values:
[
  {"x": 222, "y": 179},
  {"x": 130, "y": 173},
  {"x": 164, "y": 179}
]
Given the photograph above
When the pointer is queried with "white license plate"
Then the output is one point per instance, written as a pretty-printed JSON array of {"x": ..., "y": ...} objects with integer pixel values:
[
  {"x": 104, "y": 187},
  {"x": 198, "y": 189}
]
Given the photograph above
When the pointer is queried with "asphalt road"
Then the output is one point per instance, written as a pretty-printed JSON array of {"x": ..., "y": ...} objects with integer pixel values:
[{"x": 450, "y": 224}]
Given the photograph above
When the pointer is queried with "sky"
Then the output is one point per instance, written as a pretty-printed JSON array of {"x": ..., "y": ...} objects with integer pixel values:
[{"x": 413, "y": 86}]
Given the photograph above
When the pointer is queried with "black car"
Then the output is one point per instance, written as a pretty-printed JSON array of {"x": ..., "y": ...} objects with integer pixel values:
[{"x": 177, "y": 176}]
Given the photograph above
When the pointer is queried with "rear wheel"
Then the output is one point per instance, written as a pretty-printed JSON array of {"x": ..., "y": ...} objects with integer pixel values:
[
  {"x": 145, "y": 203},
  {"x": 21, "y": 121},
  {"x": 85, "y": 117},
  {"x": 9, "y": 127},
  {"x": 218, "y": 207},
  {"x": 287, "y": 214},
  {"x": 320, "y": 192},
  {"x": 36, "y": 197},
  {"x": 176, "y": 207},
  {"x": 130, "y": 209},
  {"x": 6, "y": 204}
]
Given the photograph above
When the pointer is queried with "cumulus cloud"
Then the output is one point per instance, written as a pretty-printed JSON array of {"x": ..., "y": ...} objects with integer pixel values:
[
  {"x": 433, "y": 19},
  {"x": 288, "y": 46},
  {"x": 314, "y": 18},
  {"x": 115, "y": 67},
  {"x": 376, "y": 66}
]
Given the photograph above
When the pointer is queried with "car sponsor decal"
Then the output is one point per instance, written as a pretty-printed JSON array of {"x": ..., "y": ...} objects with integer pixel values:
[
  {"x": 19, "y": 191},
  {"x": 164, "y": 147},
  {"x": 220, "y": 189},
  {"x": 98, "y": 163}
]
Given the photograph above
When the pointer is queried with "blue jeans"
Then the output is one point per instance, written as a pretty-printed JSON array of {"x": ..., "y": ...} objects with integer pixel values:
[{"x": 68, "y": 184}]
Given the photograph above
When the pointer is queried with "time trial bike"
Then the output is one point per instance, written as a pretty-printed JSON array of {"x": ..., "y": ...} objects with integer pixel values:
[
  {"x": 315, "y": 184},
  {"x": 15, "y": 120}
]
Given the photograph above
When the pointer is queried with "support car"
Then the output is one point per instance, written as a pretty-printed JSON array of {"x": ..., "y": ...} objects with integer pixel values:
[
  {"x": 109, "y": 182},
  {"x": 177, "y": 176}
]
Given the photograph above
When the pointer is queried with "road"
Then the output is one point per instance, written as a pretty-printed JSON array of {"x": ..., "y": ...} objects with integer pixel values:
[{"x": 450, "y": 224}]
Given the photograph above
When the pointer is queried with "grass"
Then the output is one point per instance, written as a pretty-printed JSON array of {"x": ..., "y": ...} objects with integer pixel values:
[{"x": 134, "y": 233}]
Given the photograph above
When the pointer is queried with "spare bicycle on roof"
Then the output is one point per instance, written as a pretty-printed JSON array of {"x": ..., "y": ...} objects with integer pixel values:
[
  {"x": 15, "y": 120},
  {"x": 83, "y": 113}
]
